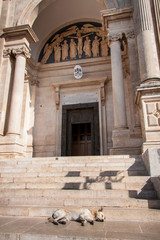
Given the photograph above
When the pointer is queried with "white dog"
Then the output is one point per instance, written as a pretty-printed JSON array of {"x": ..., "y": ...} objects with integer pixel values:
[{"x": 79, "y": 215}]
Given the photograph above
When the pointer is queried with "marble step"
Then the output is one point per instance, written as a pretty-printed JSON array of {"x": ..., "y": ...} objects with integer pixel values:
[
  {"x": 74, "y": 194},
  {"x": 111, "y": 213},
  {"x": 73, "y": 173},
  {"x": 119, "y": 180},
  {"x": 106, "y": 158},
  {"x": 46, "y": 166},
  {"x": 108, "y": 201},
  {"x": 74, "y": 183}
]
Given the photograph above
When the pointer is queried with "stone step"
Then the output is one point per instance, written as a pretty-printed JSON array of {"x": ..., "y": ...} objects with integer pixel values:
[
  {"x": 111, "y": 213},
  {"x": 73, "y": 166},
  {"x": 75, "y": 159},
  {"x": 75, "y": 194},
  {"x": 138, "y": 181},
  {"x": 110, "y": 200},
  {"x": 85, "y": 173},
  {"x": 76, "y": 184},
  {"x": 56, "y": 202}
]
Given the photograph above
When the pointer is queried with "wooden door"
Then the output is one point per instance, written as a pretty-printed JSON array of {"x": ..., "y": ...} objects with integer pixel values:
[
  {"x": 80, "y": 130},
  {"x": 81, "y": 139}
]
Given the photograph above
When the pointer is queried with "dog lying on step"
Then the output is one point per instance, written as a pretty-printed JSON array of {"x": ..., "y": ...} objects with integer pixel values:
[{"x": 79, "y": 215}]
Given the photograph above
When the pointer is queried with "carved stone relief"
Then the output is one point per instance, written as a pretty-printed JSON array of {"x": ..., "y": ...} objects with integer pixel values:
[
  {"x": 153, "y": 114},
  {"x": 82, "y": 40}
]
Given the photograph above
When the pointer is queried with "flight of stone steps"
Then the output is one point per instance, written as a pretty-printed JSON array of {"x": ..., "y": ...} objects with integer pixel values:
[{"x": 34, "y": 187}]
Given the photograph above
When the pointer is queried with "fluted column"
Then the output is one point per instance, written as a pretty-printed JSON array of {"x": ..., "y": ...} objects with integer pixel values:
[
  {"x": 148, "y": 57},
  {"x": 118, "y": 85},
  {"x": 17, "y": 91}
]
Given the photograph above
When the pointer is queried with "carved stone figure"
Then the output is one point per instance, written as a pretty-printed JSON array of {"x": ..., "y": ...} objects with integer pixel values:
[
  {"x": 57, "y": 53},
  {"x": 80, "y": 44},
  {"x": 65, "y": 50},
  {"x": 73, "y": 49},
  {"x": 46, "y": 53},
  {"x": 95, "y": 47},
  {"x": 87, "y": 47},
  {"x": 104, "y": 47}
]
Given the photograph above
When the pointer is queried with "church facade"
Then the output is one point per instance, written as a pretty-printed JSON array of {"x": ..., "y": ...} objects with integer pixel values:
[{"x": 79, "y": 77}]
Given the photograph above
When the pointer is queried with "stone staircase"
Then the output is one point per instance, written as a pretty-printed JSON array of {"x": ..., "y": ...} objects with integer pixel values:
[{"x": 35, "y": 187}]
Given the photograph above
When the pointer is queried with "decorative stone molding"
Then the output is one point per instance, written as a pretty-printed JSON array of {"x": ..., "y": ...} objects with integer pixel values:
[
  {"x": 57, "y": 97},
  {"x": 102, "y": 94}
]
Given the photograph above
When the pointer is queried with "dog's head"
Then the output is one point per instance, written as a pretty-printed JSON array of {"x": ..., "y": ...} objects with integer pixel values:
[{"x": 100, "y": 215}]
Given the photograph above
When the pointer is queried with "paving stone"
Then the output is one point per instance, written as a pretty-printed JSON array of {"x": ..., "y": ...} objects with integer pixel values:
[{"x": 13, "y": 228}]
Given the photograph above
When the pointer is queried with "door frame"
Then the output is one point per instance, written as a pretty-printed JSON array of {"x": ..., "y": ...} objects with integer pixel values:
[{"x": 67, "y": 121}]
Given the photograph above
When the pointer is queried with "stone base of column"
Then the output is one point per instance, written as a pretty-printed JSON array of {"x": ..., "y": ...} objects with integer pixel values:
[
  {"x": 148, "y": 100},
  {"x": 123, "y": 143},
  {"x": 11, "y": 146}
]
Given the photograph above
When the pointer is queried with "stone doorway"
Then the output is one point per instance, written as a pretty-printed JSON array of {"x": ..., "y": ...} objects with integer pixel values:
[{"x": 80, "y": 130}]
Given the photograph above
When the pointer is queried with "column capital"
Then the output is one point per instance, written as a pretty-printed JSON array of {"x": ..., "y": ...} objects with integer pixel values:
[
  {"x": 114, "y": 37},
  {"x": 7, "y": 52},
  {"x": 21, "y": 51},
  {"x": 34, "y": 81},
  {"x": 130, "y": 35}
]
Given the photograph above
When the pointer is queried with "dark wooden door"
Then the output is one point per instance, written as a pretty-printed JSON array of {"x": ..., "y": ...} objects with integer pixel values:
[
  {"x": 81, "y": 139},
  {"x": 80, "y": 130}
]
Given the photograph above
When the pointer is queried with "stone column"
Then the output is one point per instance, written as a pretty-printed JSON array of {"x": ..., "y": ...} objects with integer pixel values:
[
  {"x": 14, "y": 125},
  {"x": 120, "y": 121},
  {"x": 148, "y": 57}
]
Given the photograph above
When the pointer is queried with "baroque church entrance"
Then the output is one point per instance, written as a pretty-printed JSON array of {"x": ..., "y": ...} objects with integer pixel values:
[{"x": 80, "y": 130}]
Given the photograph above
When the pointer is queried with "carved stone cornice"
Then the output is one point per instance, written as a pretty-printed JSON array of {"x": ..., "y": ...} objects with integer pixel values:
[{"x": 20, "y": 32}]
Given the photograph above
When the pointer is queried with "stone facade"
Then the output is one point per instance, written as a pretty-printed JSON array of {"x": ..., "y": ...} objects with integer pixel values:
[{"x": 120, "y": 67}]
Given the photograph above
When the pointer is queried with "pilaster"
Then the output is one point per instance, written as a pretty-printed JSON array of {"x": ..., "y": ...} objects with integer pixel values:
[{"x": 148, "y": 93}]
